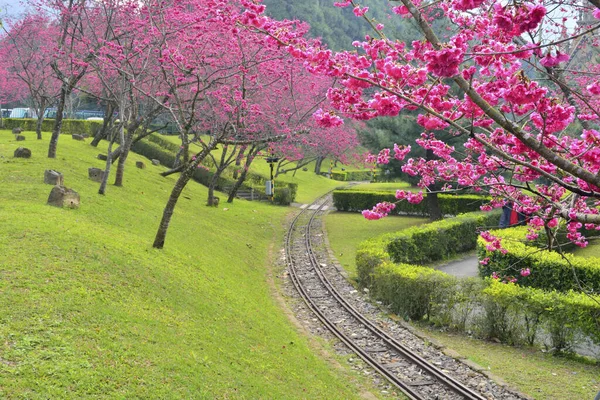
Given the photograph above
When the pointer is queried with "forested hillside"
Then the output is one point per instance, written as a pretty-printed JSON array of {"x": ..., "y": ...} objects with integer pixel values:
[{"x": 338, "y": 27}]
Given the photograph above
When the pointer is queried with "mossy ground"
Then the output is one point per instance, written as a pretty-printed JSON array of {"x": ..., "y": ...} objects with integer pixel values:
[{"x": 88, "y": 309}]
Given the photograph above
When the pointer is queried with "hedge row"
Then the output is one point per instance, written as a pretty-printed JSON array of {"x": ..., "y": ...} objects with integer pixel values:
[
  {"x": 160, "y": 149},
  {"x": 357, "y": 201},
  {"x": 549, "y": 270},
  {"x": 510, "y": 313},
  {"x": 439, "y": 240},
  {"x": 69, "y": 126},
  {"x": 352, "y": 175}
]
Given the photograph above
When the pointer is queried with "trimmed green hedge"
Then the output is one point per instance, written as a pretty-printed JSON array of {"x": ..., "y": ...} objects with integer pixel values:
[
  {"x": 359, "y": 200},
  {"x": 439, "y": 240},
  {"x": 549, "y": 270},
  {"x": 157, "y": 148},
  {"x": 352, "y": 175},
  {"x": 510, "y": 313},
  {"x": 69, "y": 126}
]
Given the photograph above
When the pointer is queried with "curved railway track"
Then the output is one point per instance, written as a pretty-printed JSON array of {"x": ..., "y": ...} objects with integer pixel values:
[{"x": 403, "y": 368}]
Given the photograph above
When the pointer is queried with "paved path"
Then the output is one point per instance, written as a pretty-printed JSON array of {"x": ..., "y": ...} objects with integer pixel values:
[{"x": 464, "y": 267}]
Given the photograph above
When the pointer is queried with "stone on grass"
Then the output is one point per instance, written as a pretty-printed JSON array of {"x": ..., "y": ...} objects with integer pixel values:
[
  {"x": 102, "y": 157},
  {"x": 19, "y": 138},
  {"x": 78, "y": 137},
  {"x": 61, "y": 196},
  {"x": 155, "y": 162},
  {"x": 84, "y": 135},
  {"x": 22, "y": 152},
  {"x": 52, "y": 177},
  {"x": 17, "y": 130},
  {"x": 96, "y": 174},
  {"x": 140, "y": 164}
]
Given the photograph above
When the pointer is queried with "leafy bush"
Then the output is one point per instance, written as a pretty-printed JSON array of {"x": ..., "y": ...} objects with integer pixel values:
[
  {"x": 358, "y": 200},
  {"x": 69, "y": 126},
  {"x": 549, "y": 270},
  {"x": 282, "y": 196},
  {"x": 438, "y": 240},
  {"x": 507, "y": 312},
  {"x": 352, "y": 175}
]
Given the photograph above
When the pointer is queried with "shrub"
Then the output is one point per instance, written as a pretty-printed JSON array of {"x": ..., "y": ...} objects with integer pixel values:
[
  {"x": 508, "y": 312},
  {"x": 69, "y": 126},
  {"x": 358, "y": 200},
  {"x": 438, "y": 240},
  {"x": 549, "y": 270},
  {"x": 282, "y": 196}
]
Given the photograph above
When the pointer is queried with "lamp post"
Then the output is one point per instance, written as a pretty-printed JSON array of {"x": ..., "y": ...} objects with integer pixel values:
[{"x": 270, "y": 189}]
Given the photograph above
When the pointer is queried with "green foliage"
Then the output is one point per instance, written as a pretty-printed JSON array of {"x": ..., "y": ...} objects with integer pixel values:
[
  {"x": 69, "y": 126},
  {"x": 438, "y": 240},
  {"x": 339, "y": 27},
  {"x": 512, "y": 314},
  {"x": 549, "y": 270},
  {"x": 359, "y": 200},
  {"x": 352, "y": 175},
  {"x": 283, "y": 196}
]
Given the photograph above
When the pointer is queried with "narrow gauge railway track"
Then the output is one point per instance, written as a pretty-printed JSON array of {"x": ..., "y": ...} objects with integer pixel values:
[{"x": 410, "y": 373}]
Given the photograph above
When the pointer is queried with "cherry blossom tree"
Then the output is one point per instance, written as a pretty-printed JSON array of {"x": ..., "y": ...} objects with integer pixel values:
[
  {"x": 500, "y": 79},
  {"x": 27, "y": 47}
]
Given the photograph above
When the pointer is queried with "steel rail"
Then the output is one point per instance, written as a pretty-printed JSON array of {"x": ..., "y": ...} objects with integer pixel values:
[{"x": 448, "y": 381}]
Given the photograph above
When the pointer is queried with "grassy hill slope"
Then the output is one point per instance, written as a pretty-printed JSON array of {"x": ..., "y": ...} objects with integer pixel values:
[{"x": 89, "y": 309}]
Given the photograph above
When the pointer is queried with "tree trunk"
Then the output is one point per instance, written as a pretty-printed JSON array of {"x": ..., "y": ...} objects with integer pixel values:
[
  {"x": 1, "y": 117},
  {"x": 40, "y": 118},
  {"x": 238, "y": 162},
  {"x": 57, "y": 122},
  {"x": 433, "y": 204},
  {"x": 318, "y": 163},
  {"x": 123, "y": 153},
  {"x": 211, "y": 187},
  {"x": 102, "y": 189},
  {"x": 251, "y": 154},
  {"x": 106, "y": 126},
  {"x": 237, "y": 185},
  {"x": 184, "y": 178}
]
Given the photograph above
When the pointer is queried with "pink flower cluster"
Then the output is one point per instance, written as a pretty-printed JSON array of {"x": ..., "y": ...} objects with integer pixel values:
[{"x": 379, "y": 211}]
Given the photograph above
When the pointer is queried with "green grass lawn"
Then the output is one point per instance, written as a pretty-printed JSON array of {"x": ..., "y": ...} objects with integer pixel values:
[
  {"x": 88, "y": 309},
  {"x": 591, "y": 250},
  {"x": 347, "y": 230},
  {"x": 540, "y": 375}
]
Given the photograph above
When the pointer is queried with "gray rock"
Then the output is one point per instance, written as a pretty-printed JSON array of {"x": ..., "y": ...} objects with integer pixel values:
[
  {"x": 102, "y": 157},
  {"x": 84, "y": 135},
  {"x": 22, "y": 152},
  {"x": 19, "y": 138},
  {"x": 52, "y": 177},
  {"x": 96, "y": 174},
  {"x": 61, "y": 196},
  {"x": 155, "y": 162},
  {"x": 78, "y": 137},
  {"x": 140, "y": 164},
  {"x": 17, "y": 130}
]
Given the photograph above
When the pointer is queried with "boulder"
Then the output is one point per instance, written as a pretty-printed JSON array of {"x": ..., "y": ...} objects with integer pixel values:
[
  {"x": 17, "y": 130},
  {"x": 96, "y": 174},
  {"x": 19, "y": 138},
  {"x": 102, "y": 157},
  {"x": 78, "y": 137},
  {"x": 140, "y": 164},
  {"x": 61, "y": 196},
  {"x": 155, "y": 162},
  {"x": 22, "y": 152},
  {"x": 52, "y": 177},
  {"x": 84, "y": 135}
]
